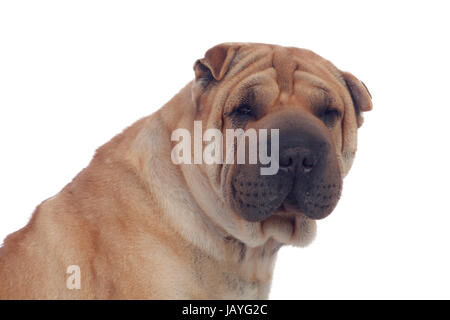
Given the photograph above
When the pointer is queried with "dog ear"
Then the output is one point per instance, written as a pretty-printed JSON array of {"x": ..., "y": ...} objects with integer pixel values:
[
  {"x": 362, "y": 99},
  {"x": 359, "y": 92},
  {"x": 215, "y": 63}
]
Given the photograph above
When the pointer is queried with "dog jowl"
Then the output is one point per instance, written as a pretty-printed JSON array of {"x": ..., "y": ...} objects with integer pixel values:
[{"x": 194, "y": 201}]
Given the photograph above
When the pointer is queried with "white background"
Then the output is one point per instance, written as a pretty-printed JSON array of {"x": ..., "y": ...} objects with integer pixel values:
[{"x": 75, "y": 73}]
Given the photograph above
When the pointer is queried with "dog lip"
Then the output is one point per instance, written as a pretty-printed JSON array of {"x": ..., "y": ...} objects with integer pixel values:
[
  {"x": 287, "y": 209},
  {"x": 292, "y": 209}
]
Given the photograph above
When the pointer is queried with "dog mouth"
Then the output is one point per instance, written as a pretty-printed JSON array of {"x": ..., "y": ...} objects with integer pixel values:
[
  {"x": 288, "y": 209},
  {"x": 257, "y": 198},
  {"x": 288, "y": 225},
  {"x": 314, "y": 201}
]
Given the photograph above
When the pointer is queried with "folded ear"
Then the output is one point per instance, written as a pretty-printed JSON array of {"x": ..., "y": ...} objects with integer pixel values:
[
  {"x": 215, "y": 63},
  {"x": 361, "y": 96},
  {"x": 362, "y": 99}
]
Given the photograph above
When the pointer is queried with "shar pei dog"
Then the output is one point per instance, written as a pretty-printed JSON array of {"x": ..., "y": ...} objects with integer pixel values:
[{"x": 169, "y": 208}]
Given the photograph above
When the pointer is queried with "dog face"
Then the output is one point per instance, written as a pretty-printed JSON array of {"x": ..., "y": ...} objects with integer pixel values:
[{"x": 316, "y": 109}]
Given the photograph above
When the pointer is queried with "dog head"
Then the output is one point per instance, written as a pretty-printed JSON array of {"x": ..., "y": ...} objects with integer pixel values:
[{"x": 310, "y": 112}]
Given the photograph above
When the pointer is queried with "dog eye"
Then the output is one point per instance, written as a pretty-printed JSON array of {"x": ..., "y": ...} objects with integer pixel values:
[
  {"x": 244, "y": 110},
  {"x": 330, "y": 117}
]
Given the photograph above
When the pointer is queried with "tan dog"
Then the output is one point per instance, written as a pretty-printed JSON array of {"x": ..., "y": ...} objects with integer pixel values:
[{"x": 136, "y": 225}]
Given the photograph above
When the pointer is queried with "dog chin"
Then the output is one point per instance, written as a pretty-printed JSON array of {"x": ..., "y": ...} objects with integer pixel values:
[{"x": 289, "y": 226}]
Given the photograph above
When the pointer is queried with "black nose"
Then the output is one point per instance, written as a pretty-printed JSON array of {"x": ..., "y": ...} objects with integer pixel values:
[{"x": 298, "y": 158}]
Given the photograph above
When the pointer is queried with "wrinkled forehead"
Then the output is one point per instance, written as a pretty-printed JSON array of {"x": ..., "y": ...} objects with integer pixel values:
[{"x": 291, "y": 65}]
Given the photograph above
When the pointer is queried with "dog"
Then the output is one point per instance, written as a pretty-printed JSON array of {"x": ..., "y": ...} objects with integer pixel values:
[{"x": 135, "y": 225}]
